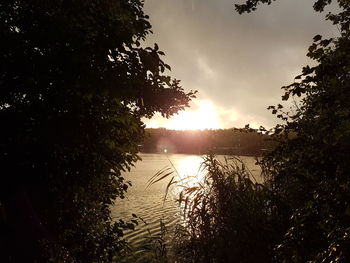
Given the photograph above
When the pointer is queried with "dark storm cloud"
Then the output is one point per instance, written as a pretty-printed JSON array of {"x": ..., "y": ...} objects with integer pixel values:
[{"x": 237, "y": 61}]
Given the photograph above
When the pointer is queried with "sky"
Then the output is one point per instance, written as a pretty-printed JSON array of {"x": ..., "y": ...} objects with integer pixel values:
[{"x": 237, "y": 63}]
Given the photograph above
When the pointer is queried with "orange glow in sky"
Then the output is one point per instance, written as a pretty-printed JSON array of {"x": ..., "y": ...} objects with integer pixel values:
[
  {"x": 204, "y": 117},
  {"x": 203, "y": 114}
]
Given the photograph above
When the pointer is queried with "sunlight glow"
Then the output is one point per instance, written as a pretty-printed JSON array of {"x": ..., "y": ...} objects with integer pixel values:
[
  {"x": 190, "y": 171},
  {"x": 204, "y": 114},
  {"x": 204, "y": 117}
]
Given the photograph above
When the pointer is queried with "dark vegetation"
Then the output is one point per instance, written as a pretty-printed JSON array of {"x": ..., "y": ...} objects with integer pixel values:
[
  {"x": 229, "y": 217},
  {"x": 75, "y": 83},
  {"x": 226, "y": 141},
  {"x": 301, "y": 212}
]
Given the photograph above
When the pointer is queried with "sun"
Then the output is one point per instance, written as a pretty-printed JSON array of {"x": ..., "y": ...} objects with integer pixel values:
[{"x": 203, "y": 116}]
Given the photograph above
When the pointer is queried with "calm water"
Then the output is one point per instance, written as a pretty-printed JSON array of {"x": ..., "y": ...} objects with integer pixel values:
[{"x": 148, "y": 202}]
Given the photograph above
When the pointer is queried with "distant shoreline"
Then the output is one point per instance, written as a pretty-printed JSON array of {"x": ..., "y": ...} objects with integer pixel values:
[
  {"x": 205, "y": 153},
  {"x": 240, "y": 142}
]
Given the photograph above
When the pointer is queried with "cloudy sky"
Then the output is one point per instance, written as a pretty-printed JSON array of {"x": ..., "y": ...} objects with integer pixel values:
[{"x": 236, "y": 62}]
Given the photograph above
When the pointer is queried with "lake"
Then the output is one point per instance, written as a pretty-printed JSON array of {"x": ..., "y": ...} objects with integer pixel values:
[{"x": 148, "y": 202}]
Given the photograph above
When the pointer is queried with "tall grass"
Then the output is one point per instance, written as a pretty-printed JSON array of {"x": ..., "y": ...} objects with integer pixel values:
[
  {"x": 153, "y": 249},
  {"x": 228, "y": 217}
]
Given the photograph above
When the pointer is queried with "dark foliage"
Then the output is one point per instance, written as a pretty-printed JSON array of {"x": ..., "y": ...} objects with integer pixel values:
[
  {"x": 310, "y": 171},
  {"x": 74, "y": 85}
]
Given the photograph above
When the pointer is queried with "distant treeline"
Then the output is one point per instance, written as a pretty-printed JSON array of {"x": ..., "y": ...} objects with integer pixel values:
[{"x": 223, "y": 141}]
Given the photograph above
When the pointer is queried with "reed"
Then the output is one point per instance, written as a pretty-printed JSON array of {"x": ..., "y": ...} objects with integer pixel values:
[{"x": 228, "y": 217}]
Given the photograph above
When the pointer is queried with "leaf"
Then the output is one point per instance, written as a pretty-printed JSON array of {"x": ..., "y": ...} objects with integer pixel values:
[
  {"x": 285, "y": 96},
  {"x": 167, "y": 66},
  {"x": 326, "y": 42},
  {"x": 161, "y": 178},
  {"x": 156, "y": 48},
  {"x": 130, "y": 226},
  {"x": 181, "y": 197},
  {"x": 317, "y": 38},
  {"x": 158, "y": 173},
  {"x": 171, "y": 182}
]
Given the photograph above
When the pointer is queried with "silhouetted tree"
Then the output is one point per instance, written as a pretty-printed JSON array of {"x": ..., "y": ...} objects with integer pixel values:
[
  {"x": 75, "y": 83},
  {"x": 310, "y": 170}
]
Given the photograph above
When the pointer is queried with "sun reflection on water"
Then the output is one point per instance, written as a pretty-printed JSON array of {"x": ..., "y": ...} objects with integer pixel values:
[{"x": 190, "y": 172}]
